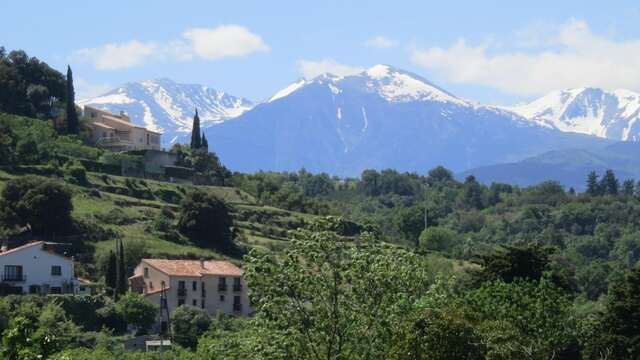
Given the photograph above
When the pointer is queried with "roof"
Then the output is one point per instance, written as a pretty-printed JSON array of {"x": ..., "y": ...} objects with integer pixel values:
[
  {"x": 19, "y": 248},
  {"x": 99, "y": 124},
  {"x": 120, "y": 121},
  {"x": 195, "y": 268},
  {"x": 32, "y": 244}
]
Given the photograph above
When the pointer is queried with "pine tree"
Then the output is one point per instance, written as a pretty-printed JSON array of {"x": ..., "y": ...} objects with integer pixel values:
[
  {"x": 609, "y": 184},
  {"x": 593, "y": 186},
  {"x": 111, "y": 274},
  {"x": 72, "y": 115},
  {"x": 628, "y": 187},
  {"x": 204, "y": 143},
  {"x": 196, "y": 141}
]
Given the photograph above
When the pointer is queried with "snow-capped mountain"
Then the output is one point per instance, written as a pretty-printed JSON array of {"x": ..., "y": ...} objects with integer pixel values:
[
  {"x": 381, "y": 118},
  {"x": 168, "y": 107},
  {"x": 593, "y": 111}
]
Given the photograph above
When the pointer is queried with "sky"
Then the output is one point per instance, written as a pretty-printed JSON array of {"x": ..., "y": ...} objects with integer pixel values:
[{"x": 494, "y": 52}]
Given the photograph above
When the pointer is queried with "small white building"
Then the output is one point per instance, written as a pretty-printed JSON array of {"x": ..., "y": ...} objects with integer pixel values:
[
  {"x": 216, "y": 286},
  {"x": 34, "y": 269}
]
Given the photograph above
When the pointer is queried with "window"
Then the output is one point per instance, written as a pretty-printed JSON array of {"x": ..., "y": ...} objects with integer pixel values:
[
  {"x": 222, "y": 284},
  {"x": 181, "y": 284},
  {"x": 13, "y": 273},
  {"x": 180, "y": 302},
  {"x": 82, "y": 288},
  {"x": 202, "y": 304},
  {"x": 194, "y": 285},
  {"x": 34, "y": 289},
  {"x": 237, "y": 304},
  {"x": 147, "y": 139},
  {"x": 182, "y": 289},
  {"x": 146, "y": 272},
  {"x": 221, "y": 298},
  {"x": 55, "y": 290},
  {"x": 56, "y": 270},
  {"x": 162, "y": 284},
  {"x": 194, "y": 302},
  {"x": 237, "y": 285},
  {"x": 202, "y": 289},
  {"x": 151, "y": 285}
]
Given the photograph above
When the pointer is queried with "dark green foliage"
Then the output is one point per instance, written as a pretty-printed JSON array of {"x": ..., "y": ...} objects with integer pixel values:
[
  {"x": 72, "y": 116},
  {"x": 121, "y": 270},
  {"x": 29, "y": 87},
  {"x": 137, "y": 310},
  {"x": 620, "y": 325},
  {"x": 439, "y": 175},
  {"x": 204, "y": 144},
  {"x": 188, "y": 323},
  {"x": 206, "y": 221},
  {"x": 472, "y": 195},
  {"x": 593, "y": 185},
  {"x": 511, "y": 263},
  {"x": 609, "y": 184},
  {"x": 628, "y": 187},
  {"x": 196, "y": 140},
  {"x": 42, "y": 204},
  {"x": 111, "y": 272}
]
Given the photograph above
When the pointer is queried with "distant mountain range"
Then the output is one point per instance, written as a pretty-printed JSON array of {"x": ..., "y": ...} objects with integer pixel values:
[
  {"x": 381, "y": 118},
  {"x": 570, "y": 167},
  {"x": 168, "y": 107}
]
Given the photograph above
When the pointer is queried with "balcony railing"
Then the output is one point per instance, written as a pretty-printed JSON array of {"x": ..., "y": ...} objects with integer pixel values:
[
  {"x": 222, "y": 287},
  {"x": 14, "y": 278},
  {"x": 237, "y": 287},
  {"x": 237, "y": 307},
  {"x": 182, "y": 292}
]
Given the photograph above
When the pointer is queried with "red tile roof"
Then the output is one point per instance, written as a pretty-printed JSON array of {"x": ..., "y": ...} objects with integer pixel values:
[{"x": 194, "y": 268}]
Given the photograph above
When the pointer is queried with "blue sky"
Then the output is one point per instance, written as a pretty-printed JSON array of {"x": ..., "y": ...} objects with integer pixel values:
[{"x": 490, "y": 51}]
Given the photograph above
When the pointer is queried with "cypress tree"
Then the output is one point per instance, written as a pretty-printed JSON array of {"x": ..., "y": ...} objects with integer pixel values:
[
  {"x": 121, "y": 278},
  {"x": 204, "y": 143},
  {"x": 196, "y": 141},
  {"x": 72, "y": 115},
  {"x": 111, "y": 276}
]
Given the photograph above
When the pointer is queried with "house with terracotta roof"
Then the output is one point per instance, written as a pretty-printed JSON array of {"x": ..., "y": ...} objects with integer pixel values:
[
  {"x": 35, "y": 269},
  {"x": 118, "y": 133},
  {"x": 211, "y": 285}
]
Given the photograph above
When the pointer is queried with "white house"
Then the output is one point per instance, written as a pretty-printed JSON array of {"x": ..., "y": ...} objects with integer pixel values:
[
  {"x": 216, "y": 286},
  {"x": 34, "y": 269}
]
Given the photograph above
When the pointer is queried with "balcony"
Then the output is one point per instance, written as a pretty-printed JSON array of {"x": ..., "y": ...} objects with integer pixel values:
[
  {"x": 14, "y": 277},
  {"x": 237, "y": 307},
  {"x": 182, "y": 292},
  {"x": 222, "y": 287},
  {"x": 237, "y": 287}
]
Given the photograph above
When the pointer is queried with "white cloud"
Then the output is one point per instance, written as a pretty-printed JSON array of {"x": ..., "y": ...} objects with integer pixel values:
[
  {"x": 116, "y": 56},
  {"x": 573, "y": 57},
  {"x": 311, "y": 69},
  {"x": 380, "y": 42},
  {"x": 86, "y": 90},
  {"x": 210, "y": 44},
  {"x": 224, "y": 41}
]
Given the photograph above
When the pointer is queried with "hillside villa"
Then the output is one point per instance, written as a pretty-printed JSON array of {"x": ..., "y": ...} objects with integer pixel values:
[
  {"x": 33, "y": 268},
  {"x": 118, "y": 133},
  {"x": 216, "y": 286}
]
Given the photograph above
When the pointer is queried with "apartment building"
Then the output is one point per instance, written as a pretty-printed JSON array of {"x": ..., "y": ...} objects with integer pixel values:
[
  {"x": 118, "y": 133},
  {"x": 211, "y": 285},
  {"x": 35, "y": 269}
]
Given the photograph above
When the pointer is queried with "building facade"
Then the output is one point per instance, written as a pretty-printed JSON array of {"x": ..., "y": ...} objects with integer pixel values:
[
  {"x": 34, "y": 269},
  {"x": 118, "y": 133},
  {"x": 216, "y": 286}
]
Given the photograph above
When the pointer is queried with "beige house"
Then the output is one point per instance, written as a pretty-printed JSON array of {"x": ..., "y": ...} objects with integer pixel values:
[
  {"x": 117, "y": 132},
  {"x": 211, "y": 285}
]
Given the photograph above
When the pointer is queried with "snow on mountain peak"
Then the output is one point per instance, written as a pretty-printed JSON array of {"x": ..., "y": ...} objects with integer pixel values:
[
  {"x": 168, "y": 107},
  {"x": 288, "y": 90},
  {"x": 400, "y": 86},
  {"x": 593, "y": 111}
]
